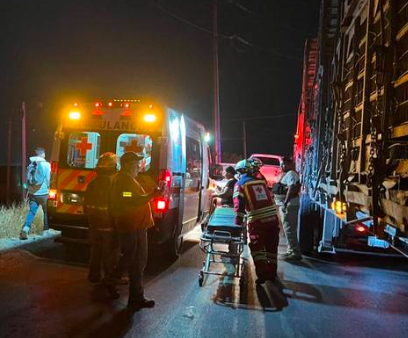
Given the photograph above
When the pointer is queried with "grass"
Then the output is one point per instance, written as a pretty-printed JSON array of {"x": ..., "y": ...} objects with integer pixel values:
[{"x": 13, "y": 217}]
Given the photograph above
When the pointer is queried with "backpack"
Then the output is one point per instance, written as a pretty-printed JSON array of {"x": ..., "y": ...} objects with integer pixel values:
[{"x": 32, "y": 174}]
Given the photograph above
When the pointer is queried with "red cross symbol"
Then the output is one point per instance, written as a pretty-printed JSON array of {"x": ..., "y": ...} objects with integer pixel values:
[
  {"x": 259, "y": 190},
  {"x": 133, "y": 146},
  {"x": 84, "y": 146}
]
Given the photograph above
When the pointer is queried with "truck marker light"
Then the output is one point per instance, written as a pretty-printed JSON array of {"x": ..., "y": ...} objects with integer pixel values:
[
  {"x": 150, "y": 118},
  {"x": 52, "y": 194},
  {"x": 360, "y": 228},
  {"x": 127, "y": 194},
  {"x": 98, "y": 104},
  {"x": 74, "y": 115}
]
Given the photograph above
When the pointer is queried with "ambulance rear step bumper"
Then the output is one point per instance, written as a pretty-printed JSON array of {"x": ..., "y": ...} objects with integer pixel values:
[{"x": 71, "y": 240}]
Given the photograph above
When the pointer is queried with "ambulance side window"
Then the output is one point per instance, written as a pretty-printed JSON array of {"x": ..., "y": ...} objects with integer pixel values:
[
  {"x": 83, "y": 149},
  {"x": 193, "y": 157},
  {"x": 141, "y": 144}
]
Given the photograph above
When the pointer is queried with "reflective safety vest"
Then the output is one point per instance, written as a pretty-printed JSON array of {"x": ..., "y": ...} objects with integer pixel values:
[{"x": 253, "y": 199}]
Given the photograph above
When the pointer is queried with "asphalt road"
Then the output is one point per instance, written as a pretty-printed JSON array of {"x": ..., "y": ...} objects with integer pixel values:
[{"x": 44, "y": 293}]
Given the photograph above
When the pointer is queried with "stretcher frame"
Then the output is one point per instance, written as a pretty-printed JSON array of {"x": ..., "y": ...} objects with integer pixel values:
[{"x": 235, "y": 245}]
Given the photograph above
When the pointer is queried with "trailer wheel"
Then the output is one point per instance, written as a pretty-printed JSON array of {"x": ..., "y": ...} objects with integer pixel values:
[{"x": 307, "y": 223}]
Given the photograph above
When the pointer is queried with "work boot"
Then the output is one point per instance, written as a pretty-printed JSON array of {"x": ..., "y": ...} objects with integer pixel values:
[
  {"x": 278, "y": 283},
  {"x": 284, "y": 255},
  {"x": 292, "y": 257},
  {"x": 23, "y": 235},
  {"x": 94, "y": 279},
  {"x": 112, "y": 289},
  {"x": 143, "y": 303},
  {"x": 260, "y": 281}
]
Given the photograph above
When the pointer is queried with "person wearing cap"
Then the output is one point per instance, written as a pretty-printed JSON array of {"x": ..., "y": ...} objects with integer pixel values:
[
  {"x": 130, "y": 206},
  {"x": 228, "y": 190},
  {"x": 104, "y": 251},
  {"x": 38, "y": 183}
]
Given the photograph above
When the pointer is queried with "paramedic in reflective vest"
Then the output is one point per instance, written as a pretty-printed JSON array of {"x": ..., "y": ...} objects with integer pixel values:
[
  {"x": 104, "y": 253},
  {"x": 288, "y": 202},
  {"x": 133, "y": 216},
  {"x": 253, "y": 200},
  {"x": 38, "y": 183},
  {"x": 257, "y": 164}
]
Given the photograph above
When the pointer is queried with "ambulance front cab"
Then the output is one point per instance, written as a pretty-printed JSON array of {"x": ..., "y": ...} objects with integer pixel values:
[{"x": 174, "y": 154}]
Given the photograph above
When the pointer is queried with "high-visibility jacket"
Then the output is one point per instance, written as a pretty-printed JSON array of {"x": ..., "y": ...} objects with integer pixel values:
[
  {"x": 130, "y": 204},
  {"x": 253, "y": 200}
]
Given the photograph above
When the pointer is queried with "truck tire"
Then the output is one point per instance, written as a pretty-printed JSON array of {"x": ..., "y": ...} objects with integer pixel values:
[
  {"x": 174, "y": 246},
  {"x": 307, "y": 223}
]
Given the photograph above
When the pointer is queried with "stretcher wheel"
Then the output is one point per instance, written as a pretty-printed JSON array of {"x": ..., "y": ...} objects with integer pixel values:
[
  {"x": 243, "y": 278},
  {"x": 201, "y": 279}
]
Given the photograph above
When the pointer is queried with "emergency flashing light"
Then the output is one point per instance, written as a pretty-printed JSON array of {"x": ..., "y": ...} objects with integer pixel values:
[
  {"x": 74, "y": 115},
  {"x": 52, "y": 194},
  {"x": 110, "y": 104},
  {"x": 150, "y": 118},
  {"x": 126, "y": 113},
  {"x": 165, "y": 176}
]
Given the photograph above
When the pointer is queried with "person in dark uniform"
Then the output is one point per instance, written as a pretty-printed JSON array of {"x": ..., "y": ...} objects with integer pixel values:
[
  {"x": 133, "y": 216},
  {"x": 104, "y": 249}
]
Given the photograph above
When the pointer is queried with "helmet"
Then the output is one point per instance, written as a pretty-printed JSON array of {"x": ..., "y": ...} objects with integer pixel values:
[
  {"x": 107, "y": 161},
  {"x": 130, "y": 156},
  {"x": 256, "y": 163},
  {"x": 243, "y": 166}
]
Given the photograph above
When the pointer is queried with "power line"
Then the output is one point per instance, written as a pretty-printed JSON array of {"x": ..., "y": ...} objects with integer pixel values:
[
  {"x": 259, "y": 118},
  {"x": 223, "y": 36},
  {"x": 250, "y": 44},
  {"x": 188, "y": 22}
]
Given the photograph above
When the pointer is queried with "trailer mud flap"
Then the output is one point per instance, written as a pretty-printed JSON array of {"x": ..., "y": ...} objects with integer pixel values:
[{"x": 331, "y": 228}]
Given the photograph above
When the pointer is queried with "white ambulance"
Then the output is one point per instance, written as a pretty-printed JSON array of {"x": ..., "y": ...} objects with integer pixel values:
[{"x": 174, "y": 149}]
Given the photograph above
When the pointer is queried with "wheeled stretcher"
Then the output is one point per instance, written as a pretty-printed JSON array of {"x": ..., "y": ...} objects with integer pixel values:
[{"x": 223, "y": 242}]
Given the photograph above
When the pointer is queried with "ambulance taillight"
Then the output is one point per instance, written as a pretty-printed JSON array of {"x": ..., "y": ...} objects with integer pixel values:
[
  {"x": 161, "y": 204},
  {"x": 54, "y": 167}
]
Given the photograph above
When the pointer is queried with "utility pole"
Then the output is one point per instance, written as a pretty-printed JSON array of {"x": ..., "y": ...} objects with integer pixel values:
[
  {"x": 244, "y": 138},
  {"x": 8, "y": 182},
  {"x": 216, "y": 98},
  {"x": 23, "y": 150}
]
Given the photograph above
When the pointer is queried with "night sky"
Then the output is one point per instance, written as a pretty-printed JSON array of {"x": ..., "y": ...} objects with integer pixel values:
[{"x": 60, "y": 50}]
